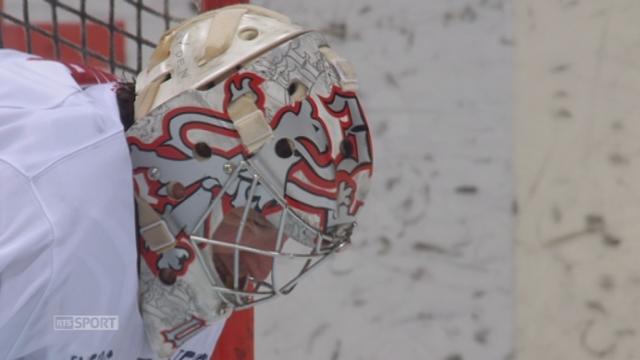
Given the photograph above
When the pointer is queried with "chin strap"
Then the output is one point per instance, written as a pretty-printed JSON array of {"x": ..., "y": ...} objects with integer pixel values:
[
  {"x": 153, "y": 228},
  {"x": 250, "y": 122}
]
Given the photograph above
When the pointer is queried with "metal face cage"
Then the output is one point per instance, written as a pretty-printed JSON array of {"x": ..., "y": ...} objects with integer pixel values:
[{"x": 290, "y": 258}]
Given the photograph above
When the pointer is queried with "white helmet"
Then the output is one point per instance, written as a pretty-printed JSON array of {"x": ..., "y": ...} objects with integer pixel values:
[{"x": 251, "y": 157}]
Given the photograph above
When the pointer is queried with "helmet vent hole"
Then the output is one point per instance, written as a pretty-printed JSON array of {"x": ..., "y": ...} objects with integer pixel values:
[
  {"x": 292, "y": 88},
  {"x": 177, "y": 190},
  {"x": 248, "y": 34},
  {"x": 168, "y": 276},
  {"x": 285, "y": 148},
  {"x": 297, "y": 91},
  {"x": 202, "y": 150},
  {"x": 207, "y": 86},
  {"x": 346, "y": 148},
  {"x": 166, "y": 77}
]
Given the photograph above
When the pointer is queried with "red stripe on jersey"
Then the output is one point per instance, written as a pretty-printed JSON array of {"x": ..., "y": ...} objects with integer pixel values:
[{"x": 236, "y": 340}]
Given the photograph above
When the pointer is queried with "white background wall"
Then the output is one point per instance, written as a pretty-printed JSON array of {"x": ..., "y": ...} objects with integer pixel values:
[{"x": 578, "y": 180}]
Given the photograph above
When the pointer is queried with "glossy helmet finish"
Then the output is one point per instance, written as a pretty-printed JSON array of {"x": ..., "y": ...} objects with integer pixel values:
[{"x": 252, "y": 157}]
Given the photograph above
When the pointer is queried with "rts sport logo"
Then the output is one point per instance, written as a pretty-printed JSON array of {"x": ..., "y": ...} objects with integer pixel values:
[{"x": 85, "y": 322}]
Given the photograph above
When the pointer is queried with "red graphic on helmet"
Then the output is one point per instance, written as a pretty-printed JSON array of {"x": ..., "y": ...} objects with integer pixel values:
[
  {"x": 355, "y": 161},
  {"x": 241, "y": 83},
  {"x": 324, "y": 176},
  {"x": 166, "y": 145},
  {"x": 190, "y": 135},
  {"x": 332, "y": 157}
]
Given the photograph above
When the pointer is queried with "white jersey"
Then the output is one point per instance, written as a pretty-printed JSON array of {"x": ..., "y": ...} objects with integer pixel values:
[{"x": 67, "y": 222}]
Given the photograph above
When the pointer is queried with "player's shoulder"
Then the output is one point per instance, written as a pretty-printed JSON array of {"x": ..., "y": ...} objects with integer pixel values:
[
  {"x": 32, "y": 82},
  {"x": 46, "y": 116}
]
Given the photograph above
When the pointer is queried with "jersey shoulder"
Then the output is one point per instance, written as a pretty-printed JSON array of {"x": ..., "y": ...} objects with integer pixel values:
[{"x": 45, "y": 115}]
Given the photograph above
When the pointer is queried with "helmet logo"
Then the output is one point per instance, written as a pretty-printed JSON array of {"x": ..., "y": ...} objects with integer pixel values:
[{"x": 328, "y": 177}]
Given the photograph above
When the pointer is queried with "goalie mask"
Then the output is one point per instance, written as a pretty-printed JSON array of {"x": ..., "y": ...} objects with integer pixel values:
[{"x": 252, "y": 157}]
